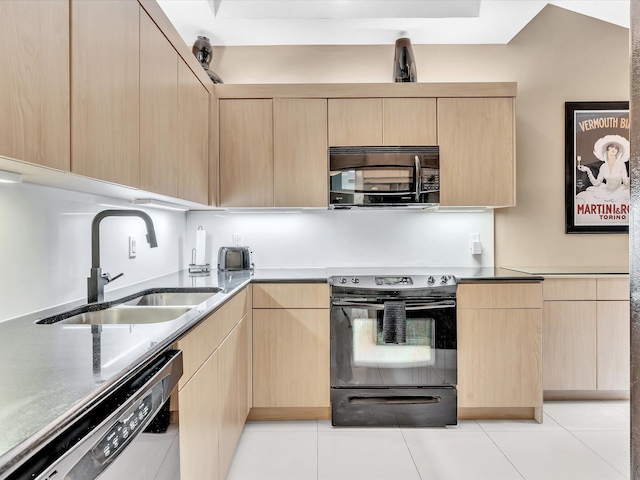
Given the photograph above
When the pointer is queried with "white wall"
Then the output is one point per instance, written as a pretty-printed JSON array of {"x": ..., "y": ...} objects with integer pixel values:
[
  {"x": 45, "y": 246},
  {"x": 337, "y": 238}
]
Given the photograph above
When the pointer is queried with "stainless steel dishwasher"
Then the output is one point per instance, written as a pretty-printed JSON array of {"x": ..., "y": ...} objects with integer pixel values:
[{"x": 90, "y": 446}]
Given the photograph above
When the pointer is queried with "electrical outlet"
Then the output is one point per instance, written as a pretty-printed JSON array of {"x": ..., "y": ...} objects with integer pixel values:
[
  {"x": 236, "y": 238},
  {"x": 132, "y": 247},
  {"x": 475, "y": 244}
]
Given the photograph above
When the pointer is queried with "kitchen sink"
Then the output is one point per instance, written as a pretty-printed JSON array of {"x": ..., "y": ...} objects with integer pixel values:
[
  {"x": 155, "y": 305},
  {"x": 166, "y": 299},
  {"x": 123, "y": 315}
]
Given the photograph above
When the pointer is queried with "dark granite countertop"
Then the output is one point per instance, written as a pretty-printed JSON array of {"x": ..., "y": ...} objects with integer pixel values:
[
  {"x": 48, "y": 369},
  {"x": 560, "y": 271}
]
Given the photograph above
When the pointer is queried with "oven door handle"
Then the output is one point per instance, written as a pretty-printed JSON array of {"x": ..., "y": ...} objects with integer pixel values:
[{"x": 380, "y": 306}]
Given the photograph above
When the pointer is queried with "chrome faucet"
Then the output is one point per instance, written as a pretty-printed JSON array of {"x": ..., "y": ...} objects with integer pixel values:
[{"x": 97, "y": 280}]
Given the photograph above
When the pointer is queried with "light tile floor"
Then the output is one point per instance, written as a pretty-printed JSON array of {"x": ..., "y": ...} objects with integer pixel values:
[{"x": 577, "y": 440}]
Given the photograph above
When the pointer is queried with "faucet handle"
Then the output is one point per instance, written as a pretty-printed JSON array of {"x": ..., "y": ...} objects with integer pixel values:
[{"x": 109, "y": 279}]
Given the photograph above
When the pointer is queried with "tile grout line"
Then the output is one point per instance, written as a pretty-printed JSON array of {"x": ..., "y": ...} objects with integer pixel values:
[
  {"x": 500, "y": 450},
  {"x": 570, "y": 432},
  {"x": 410, "y": 454}
]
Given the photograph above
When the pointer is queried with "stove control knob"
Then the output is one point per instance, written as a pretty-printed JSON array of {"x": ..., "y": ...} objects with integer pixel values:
[
  {"x": 431, "y": 279},
  {"x": 343, "y": 280},
  {"x": 355, "y": 280},
  {"x": 444, "y": 279}
]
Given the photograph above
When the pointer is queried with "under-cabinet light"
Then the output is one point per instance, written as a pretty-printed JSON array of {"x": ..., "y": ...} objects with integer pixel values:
[
  {"x": 150, "y": 202},
  {"x": 9, "y": 177}
]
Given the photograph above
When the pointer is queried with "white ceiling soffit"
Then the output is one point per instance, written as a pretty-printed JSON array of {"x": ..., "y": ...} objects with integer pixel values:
[
  {"x": 368, "y": 22},
  {"x": 332, "y": 9}
]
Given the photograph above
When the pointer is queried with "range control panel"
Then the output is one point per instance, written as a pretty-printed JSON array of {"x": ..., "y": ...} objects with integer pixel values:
[
  {"x": 393, "y": 282},
  {"x": 120, "y": 434}
]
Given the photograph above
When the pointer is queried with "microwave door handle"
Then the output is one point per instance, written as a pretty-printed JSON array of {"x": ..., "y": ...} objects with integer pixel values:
[{"x": 418, "y": 177}]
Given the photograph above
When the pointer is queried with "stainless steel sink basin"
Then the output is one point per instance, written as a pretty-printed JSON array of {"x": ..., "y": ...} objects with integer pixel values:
[
  {"x": 154, "y": 305},
  {"x": 123, "y": 315},
  {"x": 166, "y": 299}
]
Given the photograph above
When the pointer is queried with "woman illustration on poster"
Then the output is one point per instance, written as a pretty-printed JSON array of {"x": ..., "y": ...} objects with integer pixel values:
[{"x": 612, "y": 183}]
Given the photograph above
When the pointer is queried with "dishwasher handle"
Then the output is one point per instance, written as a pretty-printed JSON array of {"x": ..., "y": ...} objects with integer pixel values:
[{"x": 132, "y": 411}]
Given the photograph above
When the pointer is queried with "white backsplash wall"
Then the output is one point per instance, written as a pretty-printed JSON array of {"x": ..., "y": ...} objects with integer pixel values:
[
  {"x": 339, "y": 238},
  {"x": 45, "y": 246}
]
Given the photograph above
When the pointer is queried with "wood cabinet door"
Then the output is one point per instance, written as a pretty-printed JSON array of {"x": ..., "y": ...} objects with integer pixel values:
[
  {"x": 244, "y": 370},
  {"x": 477, "y": 151},
  {"x": 291, "y": 358},
  {"x": 291, "y": 295},
  {"x": 569, "y": 345},
  {"x": 228, "y": 400},
  {"x": 613, "y": 345},
  {"x": 355, "y": 121},
  {"x": 499, "y": 295},
  {"x": 193, "y": 136},
  {"x": 613, "y": 288},
  {"x": 300, "y": 169},
  {"x": 499, "y": 362},
  {"x": 34, "y": 84},
  {"x": 158, "y": 110},
  {"x": 246, "y": 153},
  {"x": 105, "y": 86},
  {"x": 409, "y": 121},
  {"x": 199, "y": 423}
]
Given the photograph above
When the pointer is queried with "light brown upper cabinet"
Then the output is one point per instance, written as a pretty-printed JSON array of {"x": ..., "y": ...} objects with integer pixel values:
[
  {"x": 409, "y": 121},
  {"x": 273, "y": 153},
  {"x": 246, "y": 153},
  {"x": 382, "y": 121},
  {"x": 193, "y": 137},
  {"x": 105, "y": 90},
  {"x": 355, "y": 121},
  {"x": 477, "y": 162},
  {"x": 300, "y": 152},
  {"x": 34, "y": 84},
  {"x": 158, "y": 110},
  {"x": 473, "y": 124}
]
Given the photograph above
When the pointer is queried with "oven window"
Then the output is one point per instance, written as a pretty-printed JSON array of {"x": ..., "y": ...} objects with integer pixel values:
[{"x": 369, "y": 349}]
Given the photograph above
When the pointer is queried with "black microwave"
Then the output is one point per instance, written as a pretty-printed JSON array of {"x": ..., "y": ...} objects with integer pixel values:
[{"x": 403, "y": 176}]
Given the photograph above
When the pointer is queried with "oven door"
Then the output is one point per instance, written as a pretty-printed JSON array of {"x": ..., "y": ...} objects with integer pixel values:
[{"x": 360, "y": 356}]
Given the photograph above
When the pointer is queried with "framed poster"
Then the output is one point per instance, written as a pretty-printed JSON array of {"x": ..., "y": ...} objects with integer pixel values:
[{"x": 597, "y": 167}]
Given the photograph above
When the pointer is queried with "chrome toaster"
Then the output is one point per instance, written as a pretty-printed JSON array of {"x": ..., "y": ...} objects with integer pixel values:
[{"x": 234, "y": 258}]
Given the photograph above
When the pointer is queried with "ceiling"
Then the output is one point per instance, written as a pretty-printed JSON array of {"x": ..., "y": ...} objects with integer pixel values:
[{"x": 369, "y": 22}]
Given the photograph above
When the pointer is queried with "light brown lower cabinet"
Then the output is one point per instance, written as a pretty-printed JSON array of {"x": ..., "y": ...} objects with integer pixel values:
[
  {"x": 199, "y": 419},
  {"x": 569, "y": 347},
  {"x": 291, "y": 358},
  {"x": 586, "y": 337},
  {"x": 500, "y": 351},
  {"x": 214, "y": 401},
  {"x": 291, "y": 362}
]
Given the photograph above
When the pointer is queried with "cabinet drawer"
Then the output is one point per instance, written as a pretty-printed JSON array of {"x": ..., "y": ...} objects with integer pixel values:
[
  {"x": 291, "y": 295},
  {"x": 613, "y": 289},
  {"x": 569, "y": 289},
  {"x": 499, "y": 295},
  {"x": 198, "y": 345}
]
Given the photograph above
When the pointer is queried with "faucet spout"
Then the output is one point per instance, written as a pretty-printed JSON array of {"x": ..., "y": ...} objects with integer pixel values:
[
  {"x": 95, "y": 230},
  {"x": 97, "y": 280}
]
